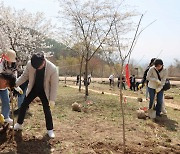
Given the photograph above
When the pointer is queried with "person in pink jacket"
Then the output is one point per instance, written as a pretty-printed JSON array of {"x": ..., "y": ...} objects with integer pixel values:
[{"x": 43, "y": 83}]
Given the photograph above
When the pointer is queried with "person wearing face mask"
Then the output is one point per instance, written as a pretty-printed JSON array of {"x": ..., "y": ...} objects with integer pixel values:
[
  {"x": 155, "y": 85},
  {"x": 43, "y": 83}
]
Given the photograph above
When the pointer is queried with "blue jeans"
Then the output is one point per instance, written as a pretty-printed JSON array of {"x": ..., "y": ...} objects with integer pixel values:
[
  {"x": 159, "y": 100},
  {"x": 5, "y": 103},
  {"x": 21, "y": 97},
  {"x": 147, "y": 93}
]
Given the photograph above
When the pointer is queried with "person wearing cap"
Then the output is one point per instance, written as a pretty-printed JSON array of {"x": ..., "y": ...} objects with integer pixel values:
[
  {"x": 8, "y": 62},
  {"x": 43, "y": 83},
  {"x": 7, "y": 65},
  {"x": 155, "y": 85}
]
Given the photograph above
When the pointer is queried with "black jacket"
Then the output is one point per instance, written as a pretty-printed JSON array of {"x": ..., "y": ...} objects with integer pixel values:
[{"x": 144, "y": 76}]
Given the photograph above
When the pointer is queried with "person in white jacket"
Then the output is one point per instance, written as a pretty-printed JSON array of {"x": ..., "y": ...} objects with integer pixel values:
[
  {"x": 155, "y": 85},
  {"x": 111, "y": 80},
  {"x": 43, "y": 83}
]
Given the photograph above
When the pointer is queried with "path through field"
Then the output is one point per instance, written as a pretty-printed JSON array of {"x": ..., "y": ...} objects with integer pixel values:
[{"x": 175, "y": 106}]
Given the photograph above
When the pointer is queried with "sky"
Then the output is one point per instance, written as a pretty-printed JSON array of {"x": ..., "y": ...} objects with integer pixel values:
[{"x": 161, "y": 39}]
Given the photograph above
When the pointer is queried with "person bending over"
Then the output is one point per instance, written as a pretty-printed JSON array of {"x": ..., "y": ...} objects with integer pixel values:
[{"x": 43, "y": 83}]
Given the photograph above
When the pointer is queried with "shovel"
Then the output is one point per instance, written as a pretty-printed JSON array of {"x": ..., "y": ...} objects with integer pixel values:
[{"x": 152, "y": 112}]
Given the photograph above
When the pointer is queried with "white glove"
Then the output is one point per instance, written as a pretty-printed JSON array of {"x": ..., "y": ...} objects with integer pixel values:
[
  {"x": 19, "y": 90},
  {"x": 51, "y": 104},
  {"x": 158, "y": 90},
  {"x": 158, "y": 82}
]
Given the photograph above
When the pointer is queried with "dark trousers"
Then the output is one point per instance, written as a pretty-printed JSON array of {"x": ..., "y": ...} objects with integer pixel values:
[
  {"x": 27, "y": 100},
  {"x": 111, "y": 82},
  {"x": 122, "y": 86},
  {"x": 118, "y": 84},
  {"x": 133, "y": 86}
]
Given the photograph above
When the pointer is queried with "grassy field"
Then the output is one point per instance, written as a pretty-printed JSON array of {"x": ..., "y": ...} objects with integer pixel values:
[
  {"x": 97, "y": 129},
  {"x": 174, "y": 92}
]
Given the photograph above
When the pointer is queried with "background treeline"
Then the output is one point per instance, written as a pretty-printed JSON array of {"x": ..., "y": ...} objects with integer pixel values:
[{"x": 68, "y": 61}]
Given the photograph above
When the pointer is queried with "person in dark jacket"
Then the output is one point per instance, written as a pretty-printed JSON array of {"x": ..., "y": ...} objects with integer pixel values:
[
  {"x": 144, "y": 80},
  {"x": 123, "y": 86},
  {"x": 133, "y": 83},
  {"x": 77, "y": 79}
]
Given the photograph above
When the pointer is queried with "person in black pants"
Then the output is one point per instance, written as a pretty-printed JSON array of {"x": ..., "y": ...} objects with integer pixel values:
[
  {"x": 133, "y": 83},
  {"x": 43, "y": 83},
  {"x": 77, "y": 80}
]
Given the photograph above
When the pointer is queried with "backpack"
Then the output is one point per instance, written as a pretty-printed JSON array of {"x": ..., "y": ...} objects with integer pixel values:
[{"x": 167, "y": 84}]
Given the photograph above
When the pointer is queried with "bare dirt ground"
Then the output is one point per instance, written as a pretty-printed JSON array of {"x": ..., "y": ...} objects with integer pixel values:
[{"x": 96, "y": 130}]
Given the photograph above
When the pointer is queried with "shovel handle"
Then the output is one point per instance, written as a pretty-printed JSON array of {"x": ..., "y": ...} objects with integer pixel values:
[{"x": 154, "y": 101}]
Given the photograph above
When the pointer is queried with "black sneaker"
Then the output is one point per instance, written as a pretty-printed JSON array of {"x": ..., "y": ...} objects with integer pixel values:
[{"x": 16, "y": 112}]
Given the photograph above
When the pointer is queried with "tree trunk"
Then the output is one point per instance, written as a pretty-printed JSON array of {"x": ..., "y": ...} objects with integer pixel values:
[
  {"x": 85, "y": 79},
  {"x": 80, "y": 74},
  {"x": 122, "y": 109}
]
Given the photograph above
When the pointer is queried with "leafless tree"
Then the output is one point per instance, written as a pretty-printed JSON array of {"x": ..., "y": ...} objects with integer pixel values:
[{"x": 90, "y": 22}]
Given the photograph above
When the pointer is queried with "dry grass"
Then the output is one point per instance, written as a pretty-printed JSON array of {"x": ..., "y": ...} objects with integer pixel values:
[{"x": 98, "y": 130}]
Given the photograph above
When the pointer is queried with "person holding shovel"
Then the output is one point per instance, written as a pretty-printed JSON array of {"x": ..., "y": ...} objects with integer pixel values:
[
  {"x": 43, "y": 83},
  {"x": 155, "y": 86},
  {"x": 7, "y": 80}
]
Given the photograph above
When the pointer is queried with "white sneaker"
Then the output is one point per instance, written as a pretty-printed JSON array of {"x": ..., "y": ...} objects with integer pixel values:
[
  {"x": 8, "y": 120},
  {"x": 164, "y": 111},
  {"x": 17, "y": 127},
  {"x": 51, "y": 134}
]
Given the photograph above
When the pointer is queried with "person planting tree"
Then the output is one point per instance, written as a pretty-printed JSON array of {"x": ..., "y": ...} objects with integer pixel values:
[
  {"x": 43, "y": 83},
  {"x": 7, "y": 65},
  {"x": 7, "y": 80},
  {"x": 155, "y": 85}
]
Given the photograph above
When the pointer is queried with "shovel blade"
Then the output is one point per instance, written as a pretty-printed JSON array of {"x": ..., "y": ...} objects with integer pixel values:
[{"x": 152, "y": 114}]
